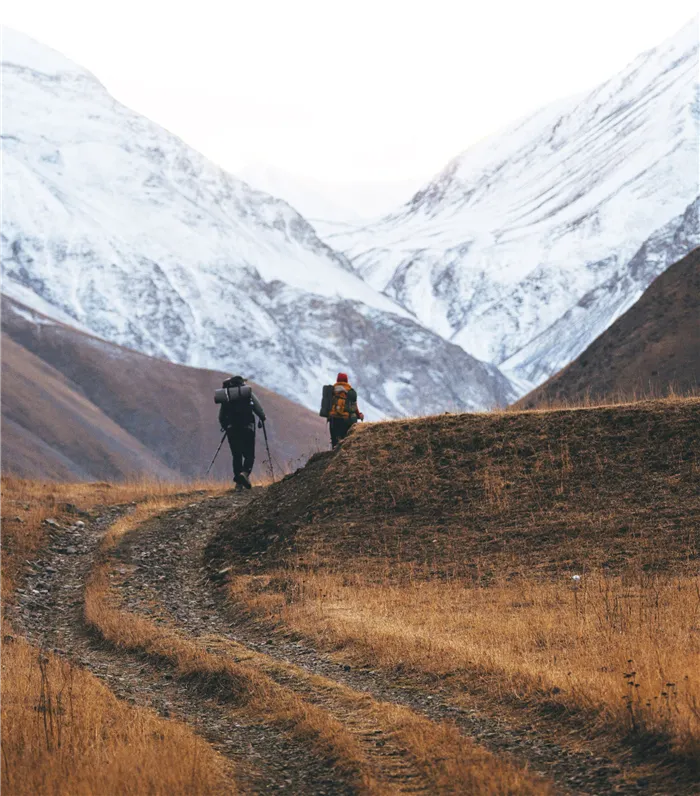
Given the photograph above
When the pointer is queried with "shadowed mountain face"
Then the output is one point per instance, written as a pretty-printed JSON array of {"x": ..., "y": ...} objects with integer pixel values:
[
  {"x": 653, "y": 348},
  {"x": 51, "y": 430},
  {"x": 75, "y": 407}
]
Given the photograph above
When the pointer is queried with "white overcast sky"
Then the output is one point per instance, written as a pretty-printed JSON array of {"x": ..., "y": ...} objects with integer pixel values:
[{"x": 362, "y": 90}]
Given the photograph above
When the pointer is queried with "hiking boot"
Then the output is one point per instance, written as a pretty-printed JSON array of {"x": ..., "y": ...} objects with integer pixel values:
[
  {"x": 238, "y": 479},
  {"x": 244, "y": 479},
  {"x": 239, "y": 487}
]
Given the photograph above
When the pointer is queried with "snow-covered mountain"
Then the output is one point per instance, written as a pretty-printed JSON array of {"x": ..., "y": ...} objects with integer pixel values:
[
  {"x": 117, "y": 227},
  {"x": 530, "y": 244}
]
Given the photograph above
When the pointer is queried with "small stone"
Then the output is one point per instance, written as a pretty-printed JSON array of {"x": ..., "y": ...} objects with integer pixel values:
[{"x": 52, "y": 521}]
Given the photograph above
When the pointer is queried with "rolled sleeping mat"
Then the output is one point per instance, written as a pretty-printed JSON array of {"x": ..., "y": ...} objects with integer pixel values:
[{"x": 225, "y": 395}]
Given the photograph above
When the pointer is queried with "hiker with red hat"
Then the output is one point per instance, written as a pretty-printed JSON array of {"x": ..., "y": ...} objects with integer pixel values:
[{"x": 339, "y": 405}]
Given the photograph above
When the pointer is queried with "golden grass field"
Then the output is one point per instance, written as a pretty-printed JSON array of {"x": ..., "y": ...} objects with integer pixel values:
[
  {"x": 541, "y": 561},
  {"x": 244, "y": 677},
  {"x": 63, "y": 731},
  {"x": 625, "y": 649},
  {"x": 550, "y": 556}
]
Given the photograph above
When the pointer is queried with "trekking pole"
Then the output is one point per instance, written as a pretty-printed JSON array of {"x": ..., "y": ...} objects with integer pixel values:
[
  {"x": 215, "y": 455},
  {"x": 269, "y": 455}
]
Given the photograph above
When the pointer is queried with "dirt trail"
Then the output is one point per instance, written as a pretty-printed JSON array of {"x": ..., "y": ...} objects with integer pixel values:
[
  {"x": 186, "y": 595},
  {"x": 160, "y": 573},
  {"x": 49, "y": 611},
  {"x": 169, "y": 588}
]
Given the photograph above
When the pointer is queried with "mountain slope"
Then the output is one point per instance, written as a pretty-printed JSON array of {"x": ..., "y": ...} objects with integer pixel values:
[
  {"x": 557, "y": 212},
  {"x": 653, "y": 347},
  {"x": 116, "y": 226},
  {"x": 74, "y": 406},
  {"x": 51, "y": 430}
]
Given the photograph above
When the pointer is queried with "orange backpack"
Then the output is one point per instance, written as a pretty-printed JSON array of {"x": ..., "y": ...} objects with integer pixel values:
[{"x": 343, "y": 402}]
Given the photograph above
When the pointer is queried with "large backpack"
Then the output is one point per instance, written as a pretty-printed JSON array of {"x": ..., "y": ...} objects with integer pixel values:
[
  {"x": 344, "y": 404},
  {"x": 237, "y": 401}
]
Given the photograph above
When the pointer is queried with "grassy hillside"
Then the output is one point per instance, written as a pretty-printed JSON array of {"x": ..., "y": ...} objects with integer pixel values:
[
  {"x": 652, "y": 349},
  {"x": 542, "y": 491},
  {"x": 161, "y": 417},
  {"x": 545, "y": 560},
  {"x": 64, "y": 731}
]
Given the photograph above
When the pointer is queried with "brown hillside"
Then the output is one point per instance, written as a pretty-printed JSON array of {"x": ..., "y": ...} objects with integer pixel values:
[
  {"x": 468, "y": 495},
  {"x": 545, "y": 560},
  {"x": 167, "y": 408},
  {"x": 651, "y": 349},
  {"x": 50, "y": 429}
]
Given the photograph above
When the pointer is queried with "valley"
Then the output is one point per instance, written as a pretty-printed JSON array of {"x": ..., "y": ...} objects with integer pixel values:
[
  {"x": 490, "y": 587},
  {"x": 360, "y": 657}
]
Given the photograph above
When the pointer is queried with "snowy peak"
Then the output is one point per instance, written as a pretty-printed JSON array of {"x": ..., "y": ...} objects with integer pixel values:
[
  {"x": 665, "y": 72},
  {"x": 516, "y": 231},
  {"x": 20, "y": 51},
  {"x": 114, "y": 225}
]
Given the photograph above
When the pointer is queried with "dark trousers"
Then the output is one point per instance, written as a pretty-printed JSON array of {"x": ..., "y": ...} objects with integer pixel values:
[
  {"x": 339, "y": 429},
  {"x": 241, "y": 440}
]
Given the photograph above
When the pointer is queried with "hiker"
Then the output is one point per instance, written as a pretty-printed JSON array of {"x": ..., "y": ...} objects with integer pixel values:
[
  {"x": 237, "y": 419},
  {"x": 343, "y": 411}
]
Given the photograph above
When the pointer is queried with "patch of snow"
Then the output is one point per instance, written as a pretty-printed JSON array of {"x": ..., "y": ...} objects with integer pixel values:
[
  {"x": 32, "y": 317},
  {"x": 18, "y": 49}
]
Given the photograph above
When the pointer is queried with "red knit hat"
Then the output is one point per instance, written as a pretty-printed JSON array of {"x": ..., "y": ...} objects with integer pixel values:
[{"x": 342, "y": 377}]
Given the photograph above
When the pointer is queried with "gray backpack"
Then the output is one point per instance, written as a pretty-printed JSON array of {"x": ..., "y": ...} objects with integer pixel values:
[{"x": 237, "y": 400}]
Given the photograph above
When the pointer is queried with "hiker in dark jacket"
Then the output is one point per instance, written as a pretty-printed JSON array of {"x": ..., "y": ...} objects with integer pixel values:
[
  {"x": 237, "y": 419},
  {"x": 344, "y": 411}
]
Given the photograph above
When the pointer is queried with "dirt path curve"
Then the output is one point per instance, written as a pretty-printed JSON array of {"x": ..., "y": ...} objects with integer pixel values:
[
  {"x": 160, "y": 573},
  {"x": 170, "y": 584},
  {"x": 178, "y": 583},
  {"x": 49, "y": 611}
]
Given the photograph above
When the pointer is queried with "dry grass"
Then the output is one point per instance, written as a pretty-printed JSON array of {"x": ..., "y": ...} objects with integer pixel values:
[
  {"x": 239, "y": 683},
  {"x": 625, "y": 648},
  {"x": 456, "y": 765},
  {"x": 536, "y": 402},
  {"x": 27, "y": 504},
  {"x": 450, "y": 761},
  {"x": 447, "y": 545},
  {"x": 462, "y": 493},
  {"x": 64, "y": 732}
]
